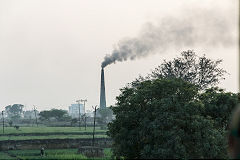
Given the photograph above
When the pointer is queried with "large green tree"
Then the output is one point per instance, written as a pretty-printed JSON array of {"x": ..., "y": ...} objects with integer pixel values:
[
  {"x": 169, "y": 118},
  {"x": 14, "y": 111},
  {"x": 219, "y": 105},
  {"x": 199, "y": 70}
]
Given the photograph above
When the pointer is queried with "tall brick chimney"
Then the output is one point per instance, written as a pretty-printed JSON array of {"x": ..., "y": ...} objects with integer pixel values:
[{"x": 102, "y": 91}]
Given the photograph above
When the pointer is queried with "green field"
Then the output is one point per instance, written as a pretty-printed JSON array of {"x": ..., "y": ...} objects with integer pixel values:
[
  {"x": 54, "y": 130},
  {"x": 5, "y": 156},
  {"x": 51, "y": 154},
  {"x": 11, "y": 130},
  {"x": 2, "y": 138}
]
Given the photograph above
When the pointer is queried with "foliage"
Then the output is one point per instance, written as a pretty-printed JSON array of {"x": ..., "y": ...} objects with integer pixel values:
[
  {"x": 2, "y": 138},
  {"x": 53, "y": 154},
  {"x": 40, "y": 129},
  {"x": 219, "y": 105},
  {"x": 104, "y": 115},
  {"x": 57, "y": 114},
  {"x": 68, "y": 156},
  {"x": 10, "y": 123},
  {"x": 200, "y": 71},
  {"x": 14, "y": 111},
  {"x": 169, "y": 118},
  {"x": 30, "y": 114},
  {"x": 108, "y": 153},
  {"x": 74, "y": 121},
  {"x": 17, "y": 127},
  {"x": 50, "y": 154},
  {"x": 4, "y": 156}
]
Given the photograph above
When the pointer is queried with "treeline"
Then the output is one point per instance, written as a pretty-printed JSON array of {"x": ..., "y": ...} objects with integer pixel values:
[{"x": 15, "y": 116}]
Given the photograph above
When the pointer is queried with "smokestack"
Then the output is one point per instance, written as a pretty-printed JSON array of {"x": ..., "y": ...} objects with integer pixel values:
[{"x": 102, "y": 91}]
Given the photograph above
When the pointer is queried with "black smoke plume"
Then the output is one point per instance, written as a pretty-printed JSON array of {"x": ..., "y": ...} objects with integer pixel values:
[{"x": 201, "y": 28}]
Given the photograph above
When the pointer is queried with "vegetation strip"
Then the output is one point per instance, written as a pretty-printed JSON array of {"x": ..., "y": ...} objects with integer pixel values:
[
  {"x": 52, "y": 133},
  {"x": 11, "y": 155},
  {"x": 7, "y": 138},
  {"x": 54, "y": 154},
  {"x": 53, "y": 139},
  {"x": 23, "y": 130}
]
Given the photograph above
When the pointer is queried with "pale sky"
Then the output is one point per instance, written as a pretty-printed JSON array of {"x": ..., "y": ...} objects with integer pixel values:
[{"x": 51, "y": 50}]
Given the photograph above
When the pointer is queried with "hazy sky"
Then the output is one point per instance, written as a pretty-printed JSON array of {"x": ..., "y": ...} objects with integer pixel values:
[{"x": 51, "y": 50}]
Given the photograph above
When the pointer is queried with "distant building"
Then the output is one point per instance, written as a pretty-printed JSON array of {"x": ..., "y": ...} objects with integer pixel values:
[{"x": 74, "y": 110}]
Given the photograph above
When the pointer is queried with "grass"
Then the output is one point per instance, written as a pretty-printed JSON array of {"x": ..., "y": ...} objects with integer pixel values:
[
  {"x": 108, "y": 153},
  {"x": 5, "y": 156},
  {"x": 2, "y": 138},
  {"x": 49, "y": 154},
  {"x": 55, "y": 154},
  {"x": 9, "y": 130}
]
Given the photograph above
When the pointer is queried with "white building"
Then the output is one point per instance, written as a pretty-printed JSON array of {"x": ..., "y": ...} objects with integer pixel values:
[{"x": 74, "y": 110}]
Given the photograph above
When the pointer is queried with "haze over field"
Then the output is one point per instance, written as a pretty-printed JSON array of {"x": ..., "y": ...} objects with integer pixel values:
[{"x": 51, "y": 52}]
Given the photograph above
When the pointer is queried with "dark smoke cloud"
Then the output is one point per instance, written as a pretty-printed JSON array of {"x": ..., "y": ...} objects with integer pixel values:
[{"x": 201, "y": 28}]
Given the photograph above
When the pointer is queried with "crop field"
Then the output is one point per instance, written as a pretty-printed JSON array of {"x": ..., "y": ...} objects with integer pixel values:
[
  {"x": 45, "y": 133},
  {"x": 12, "y": 130},
  {"x": 70, "y": 154},
  {"x": 5, "y": 156},
  {"x": 54, "y": 133},
  {"x": 26, "y": 133},
  {"x": 2, "y": 138}
]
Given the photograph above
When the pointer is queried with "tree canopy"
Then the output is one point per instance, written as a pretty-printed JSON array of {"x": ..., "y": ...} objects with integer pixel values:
[
  {"x": 14, "y": 111},
  {"x": 170, "y": 118},
  {"x": 198, "y": 70},
  {"x": 175, "y": 112},
  {"x": 58, "y": 114}
]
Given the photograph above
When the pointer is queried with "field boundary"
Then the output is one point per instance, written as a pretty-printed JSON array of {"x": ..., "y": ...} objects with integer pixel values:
[
  {"x": 12, "y": 155},
  {"x": 53, "y": 133},
  {"x": 53, "y": 143}
]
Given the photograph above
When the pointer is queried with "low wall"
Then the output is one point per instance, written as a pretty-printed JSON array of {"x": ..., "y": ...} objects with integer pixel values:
[{"x": 53, "y": 143}]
